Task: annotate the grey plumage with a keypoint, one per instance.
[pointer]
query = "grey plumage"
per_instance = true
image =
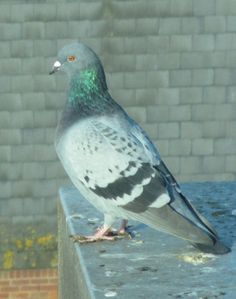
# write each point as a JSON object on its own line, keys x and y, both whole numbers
{"x": 113, "y": 163}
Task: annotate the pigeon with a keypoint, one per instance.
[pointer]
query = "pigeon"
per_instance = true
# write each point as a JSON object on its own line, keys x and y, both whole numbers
{"x": 113, "y": 163}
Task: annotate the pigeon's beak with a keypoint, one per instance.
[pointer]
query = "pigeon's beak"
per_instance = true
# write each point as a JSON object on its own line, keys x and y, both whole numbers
{"x": 56, "y": 67}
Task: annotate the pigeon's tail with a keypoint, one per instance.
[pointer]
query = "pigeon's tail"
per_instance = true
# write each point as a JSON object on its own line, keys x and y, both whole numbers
{"x": 179, "y": 218}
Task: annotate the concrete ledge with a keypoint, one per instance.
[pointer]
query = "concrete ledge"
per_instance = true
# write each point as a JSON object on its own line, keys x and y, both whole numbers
{"x": 151, "y": 265}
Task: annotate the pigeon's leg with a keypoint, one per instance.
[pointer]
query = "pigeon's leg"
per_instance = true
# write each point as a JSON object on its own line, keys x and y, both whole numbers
{"x": 122, "y": 229}
{"x": 101, "y": 234}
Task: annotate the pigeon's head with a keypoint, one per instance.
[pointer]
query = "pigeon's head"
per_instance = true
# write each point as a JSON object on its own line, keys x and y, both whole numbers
{"x": 76, "y": 57}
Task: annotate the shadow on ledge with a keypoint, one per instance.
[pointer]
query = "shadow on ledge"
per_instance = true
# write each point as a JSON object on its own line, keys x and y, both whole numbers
{"x": 151, "y": 265}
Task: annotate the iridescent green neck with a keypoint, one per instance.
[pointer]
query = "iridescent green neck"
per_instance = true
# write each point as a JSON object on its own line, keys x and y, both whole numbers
{"x": 83, "y": 86}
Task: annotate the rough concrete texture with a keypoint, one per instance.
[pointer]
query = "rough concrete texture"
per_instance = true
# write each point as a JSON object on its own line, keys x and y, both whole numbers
{"x": 151, "y": 264}
{"x": 171, "y": 63}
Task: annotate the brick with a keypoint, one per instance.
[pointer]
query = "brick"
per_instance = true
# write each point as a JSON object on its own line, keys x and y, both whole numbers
{"x": 61, "y": 83}
{"x": 125, "y": 62}
{"x": 68, "y": 11}
{"x": 59, "y": 29}
{"x": 10, "y": 136}
{"x": 54, "y": 170}
{"x": 230, "y": 129}
{"x": 179, "y": 147}
{"x": 114, "y": 45}
{"x": 170, "y": 26}
{"x": 227, "y": 7}
{"x": 191, "y": 95}
{"x": 145, "y": 97}
{"x": 224, "y": 146}
{"x": 5, "y": 119}
{"x": 138, "y": 113}
{"x": 202, "y": 112}
{"x": 33, "y": 136}
{"x": 214, "y": 129}
{"x": 136, "y": 45}
{"x": 191, "y": 130}
{"x": 49, "y": 135}
{"x": 33, "y": 171}
{"x": 180, "y": 113}
{"x": 146, "y": 62}
{"x": 191, "y": 165}
{"x": 11, "y": 171}
{"x": 54, "y": 100}
{"x": 157, "y": 79}
{"x": 33, "y": 101}
{"x": 125, "y": 97}
{"x": 22, "y": 153}
{"x": 35, "y": 65}
{"x": 10, "y": 66}
{"x": 135, "y": 80}
{"x": 158, "y": 8}
{"x": 230, "y": 162}
{"x": 203, "y": 42}
{"x": 226, "y": 41}
{"x": 44, "y": 119}
{"x": 44, "y": 12}
{"x": 157, "y": 113}
{"x": 167, "y": 61}
{"x": 214, "y": 24}
{"x": 5, "y": 83}
{"x": 203, "y": 77}
{"x": 156, "y": 44}
{"x": 45, "y": 48}
{"x": 5, "y": 49}
{"x": 181, "y": 8}
{"x": 45, "y": 188}
{"x": 100, "y": 28}
{"x": 22, "y": 12}
{"x": 202, "y": 146}
{"x": 33, "y": 30}
{"x": 5, "y": 189}
{"x": 22, "y": 48}
{"x": 10, "y": 31}
{"x": 181, "y": 42}
{"x": 192, "y": 25}
{"x": 224, "y": 77}
{"x": 44, "y": 82}
{"x": 124, "y": 27}
{"x": 23, "y": 83}
{"x": 116, "y": 80}
{"x": 180, "y": 78}
{"x": 76, "y": 29}
{"x": 162, "y": 146}
{"x": 167, "y": 96}
{"x": 168, "y": 130}
{"x": 230, "y": 59}
{"x": 214, "y": 164}
{"x": 147, "y": 26}
{"x": 214, "y": 95}
{"x": 22, "y": 119}
{"x": 204, "y": 8}
{"x": 231, "y": 94}
{"x": 127, "y": 9}
{"x": 44, "y": 152}
{"x": 90, "y": 11}
{"x": 173, "y": 163}
{"x": 12, "y": 101}
{"x": 151, "y": 130}
{"x": 5, "y": 153}
{"x": 5, "y": 13}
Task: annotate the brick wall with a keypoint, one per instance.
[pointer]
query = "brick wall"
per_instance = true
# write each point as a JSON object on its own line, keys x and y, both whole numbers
{"x": 171, "y": 63}
{"x": 28, "y": 284}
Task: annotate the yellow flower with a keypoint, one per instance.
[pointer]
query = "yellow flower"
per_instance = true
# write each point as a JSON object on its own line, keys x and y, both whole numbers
{"x": 8, "y": 259}
{"x": 28, "y": 243}
{"x": 19, "y": 244}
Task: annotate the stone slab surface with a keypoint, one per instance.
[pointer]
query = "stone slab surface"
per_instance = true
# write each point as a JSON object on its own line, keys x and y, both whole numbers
{"x": 152, "y": 264}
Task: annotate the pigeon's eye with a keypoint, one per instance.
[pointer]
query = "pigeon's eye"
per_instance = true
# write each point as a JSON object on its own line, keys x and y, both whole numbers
{"x": 71, "y": 58}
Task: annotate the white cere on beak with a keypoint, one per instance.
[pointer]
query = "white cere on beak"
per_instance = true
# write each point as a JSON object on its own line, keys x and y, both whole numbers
{"x": 56, "y": 67}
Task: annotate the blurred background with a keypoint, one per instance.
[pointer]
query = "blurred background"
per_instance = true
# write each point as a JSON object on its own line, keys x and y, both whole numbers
{"x": 170, "y": 63}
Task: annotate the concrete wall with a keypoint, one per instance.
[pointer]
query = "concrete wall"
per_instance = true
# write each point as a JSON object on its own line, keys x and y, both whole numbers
{"x": 171, "y": 63}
